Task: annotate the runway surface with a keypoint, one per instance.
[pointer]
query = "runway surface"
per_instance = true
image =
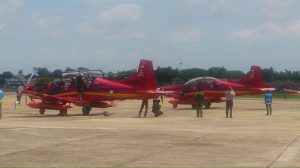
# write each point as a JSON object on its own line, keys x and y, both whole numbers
{"x": 178, "y": 138}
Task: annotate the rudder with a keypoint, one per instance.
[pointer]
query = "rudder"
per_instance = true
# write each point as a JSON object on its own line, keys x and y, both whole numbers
{"x": 254, "y": 78}
{"x": 145, "y": 78}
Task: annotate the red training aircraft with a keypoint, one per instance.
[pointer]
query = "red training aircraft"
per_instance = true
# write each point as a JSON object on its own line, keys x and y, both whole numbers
{"x": 214, "y": 89}
{"x": 97, "y": 94}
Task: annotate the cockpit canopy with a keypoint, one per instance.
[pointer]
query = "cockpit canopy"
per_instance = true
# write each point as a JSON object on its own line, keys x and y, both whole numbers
{"x": 201, "y": 80}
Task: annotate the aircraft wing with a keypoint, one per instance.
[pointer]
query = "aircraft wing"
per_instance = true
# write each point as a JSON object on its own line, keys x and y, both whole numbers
{"x": 165, "y": 92}
{"x": 292, "y": 91}
{"x": 47, "y": 97}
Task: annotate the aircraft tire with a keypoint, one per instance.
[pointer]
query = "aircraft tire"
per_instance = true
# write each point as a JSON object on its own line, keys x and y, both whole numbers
{"x": 174, "y": 105}
{"x": 106, "y": 113}
{"x": 63, "y": 112}
{"x": 42, "y": 111}
{"x": 86, "y": 109}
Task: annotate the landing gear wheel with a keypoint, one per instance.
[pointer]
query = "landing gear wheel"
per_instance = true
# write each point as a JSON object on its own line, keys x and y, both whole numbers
{"x": 207, "y": 105}
{"x": 42, "y": 111}
{"x": 63, "y": 112}
{"x": 174, "y": 105}
{"x": 106, "y": 113}
{"x": 86, "y": 109}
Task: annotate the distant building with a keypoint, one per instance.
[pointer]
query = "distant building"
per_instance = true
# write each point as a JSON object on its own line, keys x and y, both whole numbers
{"x": 21, "y": 78}
{"x": 11, "y": 83}
{"x": 14, "y": 82}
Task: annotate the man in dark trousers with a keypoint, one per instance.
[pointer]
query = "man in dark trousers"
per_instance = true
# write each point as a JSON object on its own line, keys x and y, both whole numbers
{"x": 229, "y": 101}
{"x": 199, "y": 100}
{"x": 145, "y": 104}
{"x": 156, "y": 108}
{"x": 80, "y": 85}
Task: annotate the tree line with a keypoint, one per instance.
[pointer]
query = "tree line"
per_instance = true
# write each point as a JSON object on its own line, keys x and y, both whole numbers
{"x": 169, "y": 75}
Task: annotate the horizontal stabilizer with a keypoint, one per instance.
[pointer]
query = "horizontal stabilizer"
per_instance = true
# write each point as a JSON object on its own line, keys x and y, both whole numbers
{"x": 292, "y": 91}
{"x": 267, "y": 89}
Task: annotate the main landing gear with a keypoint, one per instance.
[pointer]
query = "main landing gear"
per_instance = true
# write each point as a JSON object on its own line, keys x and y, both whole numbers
{"x": 63, "y": 112}
{"x": 207, "y": 104}
{"x": 42, "y": 111}
{"x": 86, "y": 109}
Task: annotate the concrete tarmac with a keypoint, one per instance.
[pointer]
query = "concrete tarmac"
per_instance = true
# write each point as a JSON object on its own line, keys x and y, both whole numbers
{"x": 178, "y": 138}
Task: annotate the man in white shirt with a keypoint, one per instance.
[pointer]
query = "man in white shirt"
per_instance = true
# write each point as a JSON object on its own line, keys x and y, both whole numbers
{"x": 19, "y": 91}
{"x": 229, "y": 101}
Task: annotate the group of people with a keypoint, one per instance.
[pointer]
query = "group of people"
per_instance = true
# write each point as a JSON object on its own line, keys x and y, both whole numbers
{"x": 155, "y": 108}
{"x": 229, "y": 95}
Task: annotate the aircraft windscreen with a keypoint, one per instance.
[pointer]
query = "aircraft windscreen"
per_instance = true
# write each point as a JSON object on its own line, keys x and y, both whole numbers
{"x": 201, "y": 80}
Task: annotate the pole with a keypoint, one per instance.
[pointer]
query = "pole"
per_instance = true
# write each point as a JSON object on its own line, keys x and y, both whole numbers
{"x": 180, "y": 63}
{"x": 0, "y": 109}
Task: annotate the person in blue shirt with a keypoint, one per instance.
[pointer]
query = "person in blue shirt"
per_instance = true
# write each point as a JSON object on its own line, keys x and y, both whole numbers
{"x": 268, "y": 102}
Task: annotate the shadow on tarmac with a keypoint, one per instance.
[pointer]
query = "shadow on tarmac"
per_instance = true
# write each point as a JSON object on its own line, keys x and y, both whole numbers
{"x": 57, "y": 115}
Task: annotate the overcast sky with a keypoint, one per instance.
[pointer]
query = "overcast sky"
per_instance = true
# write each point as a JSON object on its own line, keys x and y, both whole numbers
{"x": 115, "y": 34}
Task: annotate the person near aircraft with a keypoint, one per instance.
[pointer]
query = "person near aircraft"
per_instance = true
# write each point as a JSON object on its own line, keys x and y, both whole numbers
{"x": 229, "y": 101}
{"x": 19, "y": 93}
{"x": 144, "y": 104}
{"x": 199, "y": 101}
{"x": 80, "y": 85}
{"x": 268, "y": 102}
{"x": 156, "y": 107}
{"x": 61, "y": 82}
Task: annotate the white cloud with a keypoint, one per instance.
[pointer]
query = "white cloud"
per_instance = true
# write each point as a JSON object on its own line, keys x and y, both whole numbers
{"x": 184, "y": 36}
{"x": 121, "y": 16}
{"x": 294, "y": 29}
{"x": 220, "y": 8}
{"x": 39, "y": 21}
{"x": 47, "y": 52}
{"x": 276, "y": 9}
{"x": 194, "y": 2}
{"x": 246, "y": 34}
{"x": 86, "y": 29}
{"x": 10, "y": 5}
{"x": 105, "y": 53}
{"x": 119, "y": 22}
{"x": 271, "y": 30}
{"x": 107, "y": 59}
{"x": 2, "y": 27}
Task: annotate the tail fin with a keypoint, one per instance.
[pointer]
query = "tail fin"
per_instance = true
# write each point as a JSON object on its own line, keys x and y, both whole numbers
{"x": 145, "y": 78}
{"x": 254, "y": 78}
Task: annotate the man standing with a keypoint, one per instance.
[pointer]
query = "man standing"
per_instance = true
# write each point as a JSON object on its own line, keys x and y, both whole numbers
{"x": 199, "y": 100}
{"x": 268, "y": 102}
{"x": 229, "y": 101}
{"x": 144, "y": 104}
{"x": 19, "y": 92}
{"x": 156, "y": 107}
{"x": 80, "y": 85}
